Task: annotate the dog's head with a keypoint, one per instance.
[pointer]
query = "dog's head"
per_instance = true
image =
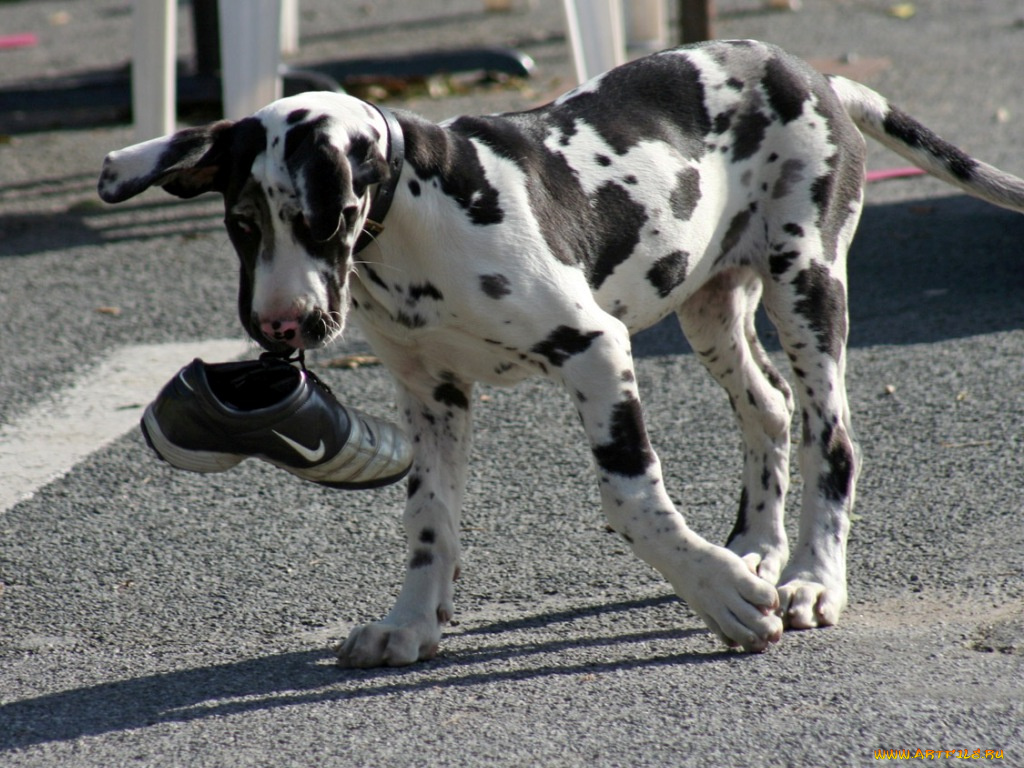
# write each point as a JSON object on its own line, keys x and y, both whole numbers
{"x": 298, "y": 178}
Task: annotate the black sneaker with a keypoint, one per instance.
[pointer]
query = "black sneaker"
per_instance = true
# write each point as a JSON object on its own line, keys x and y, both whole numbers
{"x": 210, "y": 417}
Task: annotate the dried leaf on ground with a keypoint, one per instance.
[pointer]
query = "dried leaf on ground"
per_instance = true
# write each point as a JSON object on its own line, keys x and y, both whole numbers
{"x": 351, "y": 361}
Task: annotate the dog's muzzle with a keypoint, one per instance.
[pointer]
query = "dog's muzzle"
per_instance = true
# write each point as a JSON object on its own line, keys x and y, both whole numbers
{"x": 309, "y": 331}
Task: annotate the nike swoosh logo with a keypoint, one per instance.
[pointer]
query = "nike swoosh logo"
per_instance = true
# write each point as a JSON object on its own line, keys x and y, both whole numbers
{"x": 308, "y": 454}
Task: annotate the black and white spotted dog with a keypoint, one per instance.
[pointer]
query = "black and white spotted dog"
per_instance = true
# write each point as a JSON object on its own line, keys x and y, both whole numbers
{"x": 698, "y": 181}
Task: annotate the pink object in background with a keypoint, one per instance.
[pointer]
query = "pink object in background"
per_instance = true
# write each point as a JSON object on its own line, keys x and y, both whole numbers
{"x": 892, "y": 173}
{"x": 23, "y": 40}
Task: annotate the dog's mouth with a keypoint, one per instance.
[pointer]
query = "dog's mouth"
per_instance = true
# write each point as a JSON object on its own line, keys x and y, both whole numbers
{"x": 286, "y": 332}
{"x": 314, "y": 330}
{"x": 282, "y": 322}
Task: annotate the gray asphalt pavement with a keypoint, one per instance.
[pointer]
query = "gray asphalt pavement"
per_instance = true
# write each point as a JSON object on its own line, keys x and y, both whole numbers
{"x": 156, "y": 618}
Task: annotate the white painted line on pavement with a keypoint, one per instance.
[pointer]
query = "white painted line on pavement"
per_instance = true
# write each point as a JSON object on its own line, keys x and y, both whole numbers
{"x": 108, "y": 401}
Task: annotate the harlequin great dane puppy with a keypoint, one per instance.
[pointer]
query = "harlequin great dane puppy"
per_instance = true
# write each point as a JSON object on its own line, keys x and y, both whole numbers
{"x": 697, "y": 181}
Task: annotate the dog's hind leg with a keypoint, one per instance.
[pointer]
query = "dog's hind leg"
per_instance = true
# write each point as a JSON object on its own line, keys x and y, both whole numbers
{"x": 719, "y": 323}
{"x": 721, "y": 588}
{"x": 805, "y": 297}
{"x": 439, "y": 417}
{"x": 808, "y": 308}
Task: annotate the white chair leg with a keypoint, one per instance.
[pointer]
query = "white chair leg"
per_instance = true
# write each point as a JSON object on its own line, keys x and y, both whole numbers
{"x": 596, "y": 34}
{"x": 646, "y": 25}
{"x": 289, "y": 27}
{"x": 250, "y": 55}
{"x": 154, "y": 60}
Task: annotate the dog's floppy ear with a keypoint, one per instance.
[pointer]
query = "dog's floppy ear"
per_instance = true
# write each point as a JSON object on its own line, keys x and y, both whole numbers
{"x": 186, "y": 164}
{"x": 327, "y": 181}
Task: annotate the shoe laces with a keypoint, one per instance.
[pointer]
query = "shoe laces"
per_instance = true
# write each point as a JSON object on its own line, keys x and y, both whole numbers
{"x": 298, "y": 358}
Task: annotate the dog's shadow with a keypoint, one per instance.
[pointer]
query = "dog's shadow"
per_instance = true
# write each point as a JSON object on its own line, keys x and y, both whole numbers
{"x": 305, "y": 677}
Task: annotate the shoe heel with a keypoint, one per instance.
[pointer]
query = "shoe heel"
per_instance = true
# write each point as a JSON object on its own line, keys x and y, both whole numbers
{"x": 183, "y": 458}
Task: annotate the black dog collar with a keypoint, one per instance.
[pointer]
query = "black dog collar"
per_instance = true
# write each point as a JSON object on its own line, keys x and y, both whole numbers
{"x": 385, "y": 192}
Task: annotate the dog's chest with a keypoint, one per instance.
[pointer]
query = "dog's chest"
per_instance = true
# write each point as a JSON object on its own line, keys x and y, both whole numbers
{"x": 417, "y": 333}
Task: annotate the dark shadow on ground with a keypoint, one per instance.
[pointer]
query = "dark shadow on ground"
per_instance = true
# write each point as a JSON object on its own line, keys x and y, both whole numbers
{"x": 87, "y": 221}
{"x": 920, "y": 271}
{"x": 304, "y": 677}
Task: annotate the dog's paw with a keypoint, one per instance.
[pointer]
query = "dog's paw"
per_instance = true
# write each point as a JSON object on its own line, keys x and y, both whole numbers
{"x": 384, "y": 644}
{"x": 764, "y": 558}
{"x": 736, "y": 604}
{"x": 808, "y": 599}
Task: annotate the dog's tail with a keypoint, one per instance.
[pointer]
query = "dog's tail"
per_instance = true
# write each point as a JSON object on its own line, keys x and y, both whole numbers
{"x": 904, "y": 135}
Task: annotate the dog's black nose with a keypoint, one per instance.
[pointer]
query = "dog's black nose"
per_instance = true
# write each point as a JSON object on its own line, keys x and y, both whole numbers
{"x": 281, "y": 329}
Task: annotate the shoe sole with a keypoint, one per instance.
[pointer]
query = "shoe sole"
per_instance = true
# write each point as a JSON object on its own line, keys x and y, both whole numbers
{"x": 391, "y": 439}
{"x": 184, "y": 458}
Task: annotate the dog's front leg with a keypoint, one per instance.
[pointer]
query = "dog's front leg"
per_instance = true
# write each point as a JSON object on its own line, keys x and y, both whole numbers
{"x": 736, "y": 604}
{"x": 439, "y": 421}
